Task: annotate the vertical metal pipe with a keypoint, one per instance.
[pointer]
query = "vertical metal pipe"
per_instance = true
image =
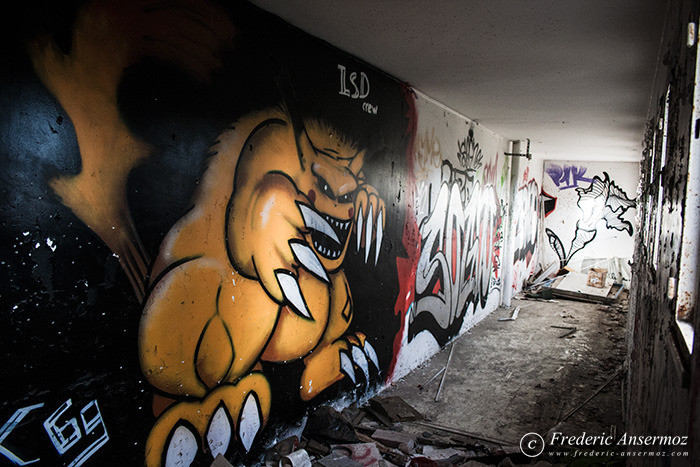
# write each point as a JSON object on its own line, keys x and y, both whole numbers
{"x": 509, "y": 242}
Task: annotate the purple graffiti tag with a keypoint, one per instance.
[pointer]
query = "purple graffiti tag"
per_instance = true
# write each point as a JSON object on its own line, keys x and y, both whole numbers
{"x": 568, "y": 176}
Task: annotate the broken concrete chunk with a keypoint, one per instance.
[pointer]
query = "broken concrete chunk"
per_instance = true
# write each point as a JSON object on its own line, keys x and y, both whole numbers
{"x": 327, "y": 424}
{"x": 353, "y": 414}
{"x": 335, "y": 459}
{"x": 390, "y": 454}
{"x": 379, "y": 416}
{"x": 395, "y": 409}
{"x": 221, "y": 461}
{"x": 366, "y": 454}
{"x": 395, "y": 439}
{"x": 441, "y": 454}
{"x": 419, "y": 461}
{"x": 316, "y": 448}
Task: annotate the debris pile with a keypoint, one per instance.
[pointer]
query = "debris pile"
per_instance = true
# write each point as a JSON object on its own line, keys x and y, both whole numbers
{"x": 388, "y": 432}
{"x": 593, "y": 287}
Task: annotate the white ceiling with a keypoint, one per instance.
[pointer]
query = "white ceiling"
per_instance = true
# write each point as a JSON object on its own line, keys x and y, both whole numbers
{"x": 573, "y": 76}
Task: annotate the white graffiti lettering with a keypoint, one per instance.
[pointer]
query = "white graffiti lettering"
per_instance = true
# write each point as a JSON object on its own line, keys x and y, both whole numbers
{"x": 65, "y": 432}
{"x": 458, "y": 262}
{"x": 360, "y": 90}
{"x": 10, "y": 425}
{"x": 525, "y": 214}
{"x": 369, "y": 108}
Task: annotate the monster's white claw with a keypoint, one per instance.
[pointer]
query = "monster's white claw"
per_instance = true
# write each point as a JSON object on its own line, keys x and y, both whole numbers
{"x": 309, "y": 260}
{"x": 380, "y": 234}
{"x": 359, "y": 228}
{"x": 219, "y": 433}
{"x": 369, "y": 351}
{"x": 251, "y": 421}
{"x": 292, "y": 293}
{"x": 361, "y": 361}
{"x": 368, "y": 233}
{"x": 315, "y": 222}
{"x": 346, "y": 366}
{"x": 182, "y": 448}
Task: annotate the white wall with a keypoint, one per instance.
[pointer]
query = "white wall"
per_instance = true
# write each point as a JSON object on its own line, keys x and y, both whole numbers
{"x": 590, "y": 217}
{"x": 470, "y": 256}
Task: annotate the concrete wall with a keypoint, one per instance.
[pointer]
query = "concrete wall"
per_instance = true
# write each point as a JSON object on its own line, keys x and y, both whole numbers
{"x": 525, "y": 242}
{"x": 590, "y": 214}
{"x": 213, "y": 222}
{"x": 453, "y": 233}
{"x": 663, "y": 378}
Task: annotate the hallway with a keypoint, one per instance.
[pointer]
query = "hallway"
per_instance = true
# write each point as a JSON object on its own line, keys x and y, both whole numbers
{"x": 221, "y": 217}
{"x": 508, "y": 378}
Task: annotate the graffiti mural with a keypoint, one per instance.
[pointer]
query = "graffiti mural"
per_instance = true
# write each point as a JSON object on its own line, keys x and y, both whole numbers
{"x": 276, "y": 244}
{"x": 428, "y": 153}
{"x": 526, "y": 209}
{"x": 75, "y": 439}
{"x": 549, "y": 203}
{"x": 194, "y": 231}
{"x": 214, "y": 223}
{"x": 567, "y": 176}
{"x": 458, "y": 263}
{"x": 602, "y": 200}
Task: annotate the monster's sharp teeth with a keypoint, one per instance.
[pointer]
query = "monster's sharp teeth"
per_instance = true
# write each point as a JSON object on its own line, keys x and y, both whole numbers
{"x": 292, "y": 293}
{"x": 380, "y": 234}
{"x": 369, "y": 351}
{"x": 183, "y": 447}
{"x": 314, "y": 221}
{"x": 251, "y": 421}
{"x": 219, "y": 432}
{"x": 309, "y": 260}
{"x": 346, "y": 366}
{"x": 361, "y": 361}
{"x": 368, "y": 233}
{"x": 359, "y": 228}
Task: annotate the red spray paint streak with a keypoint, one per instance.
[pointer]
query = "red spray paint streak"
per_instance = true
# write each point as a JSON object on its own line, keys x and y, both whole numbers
{"x": 406, "y": 267}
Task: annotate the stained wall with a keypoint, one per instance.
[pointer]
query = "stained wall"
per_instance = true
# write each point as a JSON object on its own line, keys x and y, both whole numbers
{"x": 214, "y": 222}
{"x": 662, "y": 383}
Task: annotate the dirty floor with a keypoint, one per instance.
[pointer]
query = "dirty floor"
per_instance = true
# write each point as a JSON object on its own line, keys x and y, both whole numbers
{"x": 509, "y": 378}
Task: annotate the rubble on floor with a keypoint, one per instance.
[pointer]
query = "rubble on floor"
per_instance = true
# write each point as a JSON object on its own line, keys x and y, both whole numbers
{"x": 592, "y": 287}
{"x": 387, "y": 432}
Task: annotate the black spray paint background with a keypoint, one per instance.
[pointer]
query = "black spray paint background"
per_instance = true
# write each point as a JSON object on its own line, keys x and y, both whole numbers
{"x": 69, "y": 318}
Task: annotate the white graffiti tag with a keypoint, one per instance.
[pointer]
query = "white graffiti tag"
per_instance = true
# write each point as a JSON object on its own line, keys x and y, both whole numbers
{"x": 84, "y": 432}
{"x": 459, "y": 254}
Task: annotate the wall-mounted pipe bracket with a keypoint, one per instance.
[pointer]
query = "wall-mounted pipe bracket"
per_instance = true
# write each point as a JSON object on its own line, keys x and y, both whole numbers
{"x": 516, "y": 154}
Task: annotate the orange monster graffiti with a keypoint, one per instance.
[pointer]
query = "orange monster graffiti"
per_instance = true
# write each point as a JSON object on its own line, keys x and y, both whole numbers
{"x": 255, "y": 273}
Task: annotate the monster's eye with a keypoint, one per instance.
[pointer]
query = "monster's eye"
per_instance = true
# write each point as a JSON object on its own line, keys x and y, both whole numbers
{"x": 346, "y": 198}
{"x": 325, "y": 187}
